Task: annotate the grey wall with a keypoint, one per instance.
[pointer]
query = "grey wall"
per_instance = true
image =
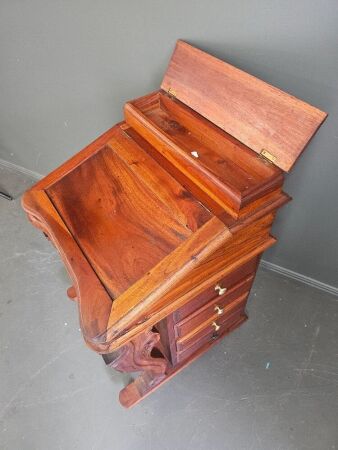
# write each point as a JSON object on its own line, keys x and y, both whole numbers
{"x": 67, "y": 67}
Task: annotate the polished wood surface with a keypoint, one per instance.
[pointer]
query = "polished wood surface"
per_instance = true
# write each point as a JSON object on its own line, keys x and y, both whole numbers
{"x": 94, "y": 303}
{"x": 213, "y": 310}
{"x": 256, "y": 113}
{"x": 229, "y": 282}
{"x": 228, "y": 171}
{"x": 109, "y": 203}
{"x": 162, "y": 220}
{"x": 212, "y": 324}
{"x": 86, "y": 196}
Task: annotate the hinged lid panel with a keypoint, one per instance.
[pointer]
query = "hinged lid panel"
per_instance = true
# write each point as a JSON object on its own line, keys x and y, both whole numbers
{"x": 259, "y": 115}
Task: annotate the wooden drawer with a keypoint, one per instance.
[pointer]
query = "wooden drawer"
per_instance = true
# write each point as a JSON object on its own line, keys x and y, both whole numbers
{"x": 214, "y": 309}
{"x": 187, "y": 347}
{"x": 212, "y": 292}
{"x": 208, "y": 326}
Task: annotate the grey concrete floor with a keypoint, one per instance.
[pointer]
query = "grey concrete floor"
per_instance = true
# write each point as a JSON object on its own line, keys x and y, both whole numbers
{"x": 270, "y": 385}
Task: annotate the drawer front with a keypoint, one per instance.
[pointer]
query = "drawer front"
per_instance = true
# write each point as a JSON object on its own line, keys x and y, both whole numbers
{"x": 214, "y": 309}
{"x": 212, "y": 327}
{"x": 209, "y": 335}
{"x": 216, "y": 290}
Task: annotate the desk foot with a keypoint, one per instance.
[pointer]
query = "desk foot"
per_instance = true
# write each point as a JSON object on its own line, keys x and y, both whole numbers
{"x": 139, "y": 355}
{"x": 72, "y": 293}
{"x": 147, "y": 383}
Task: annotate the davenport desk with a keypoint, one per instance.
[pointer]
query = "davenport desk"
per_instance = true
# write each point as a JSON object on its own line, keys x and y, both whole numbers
{"x": 162, "y": 220}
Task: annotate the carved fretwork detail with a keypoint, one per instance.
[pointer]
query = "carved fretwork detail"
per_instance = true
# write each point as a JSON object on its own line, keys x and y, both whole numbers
{"x": 136, "y": 356}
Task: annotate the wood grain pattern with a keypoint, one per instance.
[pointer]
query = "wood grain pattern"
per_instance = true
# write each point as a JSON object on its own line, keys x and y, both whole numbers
{"x": 249, "y": 244}
{"x": 158, "y": 303}
{"x": 160, "y": 208}
{"x": 209, "y": 313}
{"x": 133, "y": 305}
{"x": 84, "y": 191}
{"x": 109, "y": 207}
{"x": 218, "y": 166}
{"x": 245, "y": 244}
{"x": 182, "y": 204}
{"x": 185, "y": 181}
{"x": 256, "y": 208}
{"x": 205, "y": 326}
{"x": 229, "y": 282}
{"x": 93, "y": 301}
{"x": 208, "y": 334}
{"x": 256, "y": 113}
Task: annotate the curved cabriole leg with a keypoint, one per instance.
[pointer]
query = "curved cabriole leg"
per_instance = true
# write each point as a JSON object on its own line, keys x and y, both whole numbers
{"x": 136, "y": 356}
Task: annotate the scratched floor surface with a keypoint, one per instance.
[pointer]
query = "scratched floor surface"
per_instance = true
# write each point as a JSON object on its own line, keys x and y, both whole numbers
{"x": 270, "y": 385}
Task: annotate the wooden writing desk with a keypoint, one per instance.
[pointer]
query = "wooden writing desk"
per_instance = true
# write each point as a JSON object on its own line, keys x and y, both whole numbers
{"x": 162, "y": 220}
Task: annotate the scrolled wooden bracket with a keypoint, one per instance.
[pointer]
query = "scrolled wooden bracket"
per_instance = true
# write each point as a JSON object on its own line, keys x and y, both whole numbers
{"x": 136, "y": 356}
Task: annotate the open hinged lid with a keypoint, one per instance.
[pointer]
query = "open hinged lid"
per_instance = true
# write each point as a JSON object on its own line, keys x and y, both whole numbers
{"x": 264, "y": 118}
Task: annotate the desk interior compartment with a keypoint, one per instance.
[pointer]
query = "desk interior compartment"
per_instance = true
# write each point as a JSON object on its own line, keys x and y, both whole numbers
{"x": 226, "y": 170}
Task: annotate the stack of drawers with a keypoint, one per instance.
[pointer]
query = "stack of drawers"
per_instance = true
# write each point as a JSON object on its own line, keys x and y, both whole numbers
{"x": 211, "y": 314}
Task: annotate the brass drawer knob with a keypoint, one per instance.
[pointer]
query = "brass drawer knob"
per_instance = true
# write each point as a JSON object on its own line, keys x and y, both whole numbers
{"x": 219, "y": 310}
{"x": 216, "y": 326}
{"x": 220, "y": 289}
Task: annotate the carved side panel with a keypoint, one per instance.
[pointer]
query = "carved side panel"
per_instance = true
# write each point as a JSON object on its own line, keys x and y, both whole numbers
{"x": 136, "y": 356}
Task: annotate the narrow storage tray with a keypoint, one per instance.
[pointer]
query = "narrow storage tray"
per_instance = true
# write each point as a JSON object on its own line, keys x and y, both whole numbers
{"x": 231, "y": 173}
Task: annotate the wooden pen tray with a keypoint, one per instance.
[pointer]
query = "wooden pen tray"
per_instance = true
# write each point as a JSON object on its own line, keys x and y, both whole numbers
{"x": 231, "y": 173}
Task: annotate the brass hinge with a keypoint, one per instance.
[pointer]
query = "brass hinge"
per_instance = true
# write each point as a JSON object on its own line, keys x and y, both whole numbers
{"x": 268, "y": 156}
{"x": 171, "y": 92}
